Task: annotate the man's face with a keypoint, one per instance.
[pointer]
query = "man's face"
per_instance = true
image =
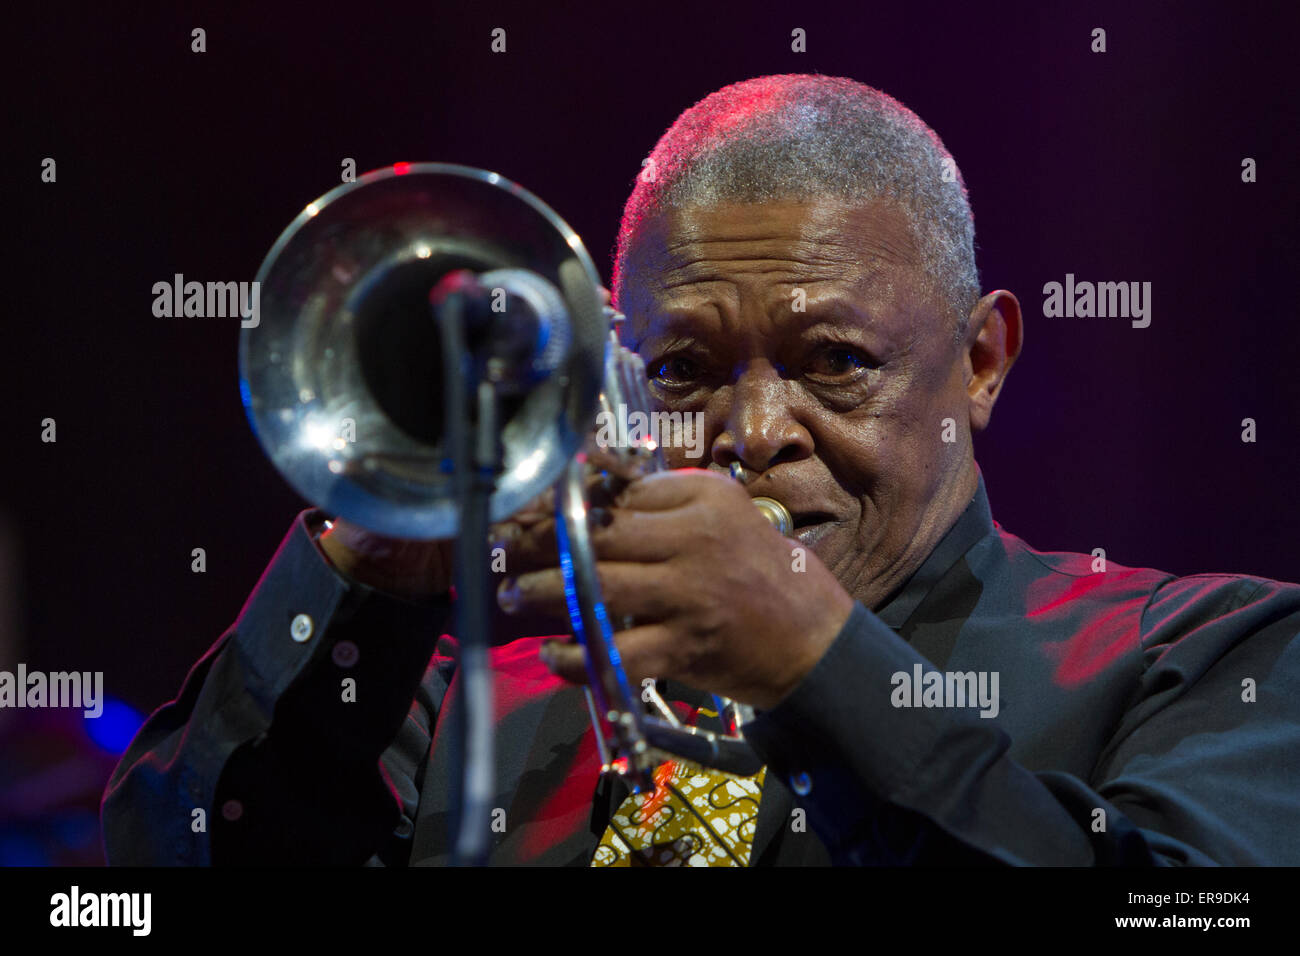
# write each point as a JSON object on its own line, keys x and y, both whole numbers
{"x": 837, "y": 410}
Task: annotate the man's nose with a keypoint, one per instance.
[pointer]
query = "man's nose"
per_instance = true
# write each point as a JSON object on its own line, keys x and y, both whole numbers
{"x": 761, "y": 429}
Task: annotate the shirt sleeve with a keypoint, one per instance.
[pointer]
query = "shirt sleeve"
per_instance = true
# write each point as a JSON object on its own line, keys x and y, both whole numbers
{"x": 1203, "y": 768}
{"x": 1207, "y": 762}
{"x": 297, "y": 738}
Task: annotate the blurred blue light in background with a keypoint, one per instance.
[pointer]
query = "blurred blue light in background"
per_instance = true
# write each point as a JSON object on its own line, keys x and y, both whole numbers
{"x": 113, "y": 729}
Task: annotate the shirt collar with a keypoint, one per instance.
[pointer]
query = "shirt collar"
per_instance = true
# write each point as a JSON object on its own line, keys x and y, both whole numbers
{"x": 974, "y": 524}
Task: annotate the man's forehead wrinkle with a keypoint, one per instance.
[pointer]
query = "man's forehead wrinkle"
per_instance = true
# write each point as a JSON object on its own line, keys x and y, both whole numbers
{"x": 808, "y": 237}
{"x": 719, "y": 318}
{"x": 713, "y": 273}
{"x": 705, "y": 263}
{"x": 817, "y": 252}
{"x": 675, "y": 326}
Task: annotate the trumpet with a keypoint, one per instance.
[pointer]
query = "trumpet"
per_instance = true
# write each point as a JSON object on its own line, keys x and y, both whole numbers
{"x": 431, "y": 353}
{"x": 630, "y": 741}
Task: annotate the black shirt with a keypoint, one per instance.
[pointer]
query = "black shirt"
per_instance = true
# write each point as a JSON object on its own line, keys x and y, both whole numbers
{"x": 1004, "y": 706}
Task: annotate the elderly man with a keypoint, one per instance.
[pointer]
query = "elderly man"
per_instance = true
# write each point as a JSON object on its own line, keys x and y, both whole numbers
{"x": 797, "y": 267}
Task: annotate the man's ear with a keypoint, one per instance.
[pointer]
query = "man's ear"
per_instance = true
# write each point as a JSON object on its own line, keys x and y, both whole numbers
{"x": 994, "y": 336}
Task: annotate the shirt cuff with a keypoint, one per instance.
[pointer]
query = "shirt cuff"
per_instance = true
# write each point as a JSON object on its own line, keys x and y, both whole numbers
{"x": 838, "y": 740}
{"x": 306, "y": 614}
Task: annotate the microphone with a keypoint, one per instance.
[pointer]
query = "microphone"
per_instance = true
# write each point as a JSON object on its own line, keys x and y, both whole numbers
{"x": 517, "y": 328}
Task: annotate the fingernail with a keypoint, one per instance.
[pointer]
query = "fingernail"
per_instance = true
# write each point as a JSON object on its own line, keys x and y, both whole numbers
{"x": 508, "y": 595}
{"x": 547, "y": 653}
{"x": 504, "y": 535}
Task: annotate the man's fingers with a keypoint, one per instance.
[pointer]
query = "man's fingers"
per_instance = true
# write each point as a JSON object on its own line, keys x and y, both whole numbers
{"x": 663, "y": 490}
{"x": 566, "y": 661}
{"x": 618, "y": 467}
{"x": 600, "y": 490}
{"x": 615, "y": 534}
{"x": 528, "y": 547}
{"x": 628, "y": 589}
{"x": 644, "y": 651}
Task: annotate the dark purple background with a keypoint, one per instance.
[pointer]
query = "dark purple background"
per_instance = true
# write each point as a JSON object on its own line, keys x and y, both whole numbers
{"x": 1115, "y": 166}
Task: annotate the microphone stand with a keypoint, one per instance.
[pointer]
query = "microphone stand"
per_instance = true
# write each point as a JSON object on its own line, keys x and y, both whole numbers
{"x": 476, "y": 465}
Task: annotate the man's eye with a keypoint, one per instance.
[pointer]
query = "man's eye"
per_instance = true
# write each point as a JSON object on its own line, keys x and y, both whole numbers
{"x": 839, "y": 364}
{"x": 674, "y": 370}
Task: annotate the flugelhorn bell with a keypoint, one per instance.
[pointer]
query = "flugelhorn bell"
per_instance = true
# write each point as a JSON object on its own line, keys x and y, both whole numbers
{"x": 374, "y": 321}
{"x": 340, "y": 376}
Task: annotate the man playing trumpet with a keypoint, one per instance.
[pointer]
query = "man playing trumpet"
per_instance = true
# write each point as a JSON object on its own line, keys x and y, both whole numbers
{"x": 799, "y": 272}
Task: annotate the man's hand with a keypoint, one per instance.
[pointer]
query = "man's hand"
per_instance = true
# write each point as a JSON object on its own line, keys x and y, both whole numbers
{"x": 712, "y": 588}
{"x": 415, "y": 570}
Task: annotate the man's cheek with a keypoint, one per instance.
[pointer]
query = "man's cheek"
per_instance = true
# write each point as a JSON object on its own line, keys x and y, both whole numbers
{"x": 690, "y": 438}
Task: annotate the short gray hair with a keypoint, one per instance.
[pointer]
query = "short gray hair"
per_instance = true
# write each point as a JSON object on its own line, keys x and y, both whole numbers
{"x": 801, "y": 136}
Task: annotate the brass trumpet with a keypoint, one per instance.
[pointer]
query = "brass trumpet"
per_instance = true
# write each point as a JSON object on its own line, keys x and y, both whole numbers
{"x": 431, "y": 352}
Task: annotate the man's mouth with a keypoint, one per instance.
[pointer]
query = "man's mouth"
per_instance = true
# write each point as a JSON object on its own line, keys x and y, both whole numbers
{"x": 811, "y": 526}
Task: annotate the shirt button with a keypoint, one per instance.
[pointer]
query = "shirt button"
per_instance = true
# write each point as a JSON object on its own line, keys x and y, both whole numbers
{"x": 345, "y": 653}
{"x": 801, "y": 783}
{"x": 232, "y": 810}
{"x": 301, "y": 628}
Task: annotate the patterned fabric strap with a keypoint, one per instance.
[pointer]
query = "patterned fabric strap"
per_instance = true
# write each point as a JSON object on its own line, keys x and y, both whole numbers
{"x": 694, "y": 817}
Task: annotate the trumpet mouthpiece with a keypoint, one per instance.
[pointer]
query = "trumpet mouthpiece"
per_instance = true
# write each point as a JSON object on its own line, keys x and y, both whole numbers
{"x": 776, "y": 514}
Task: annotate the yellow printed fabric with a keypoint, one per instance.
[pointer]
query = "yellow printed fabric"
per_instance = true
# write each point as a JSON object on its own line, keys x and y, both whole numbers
{"x": 694, "y": 817}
